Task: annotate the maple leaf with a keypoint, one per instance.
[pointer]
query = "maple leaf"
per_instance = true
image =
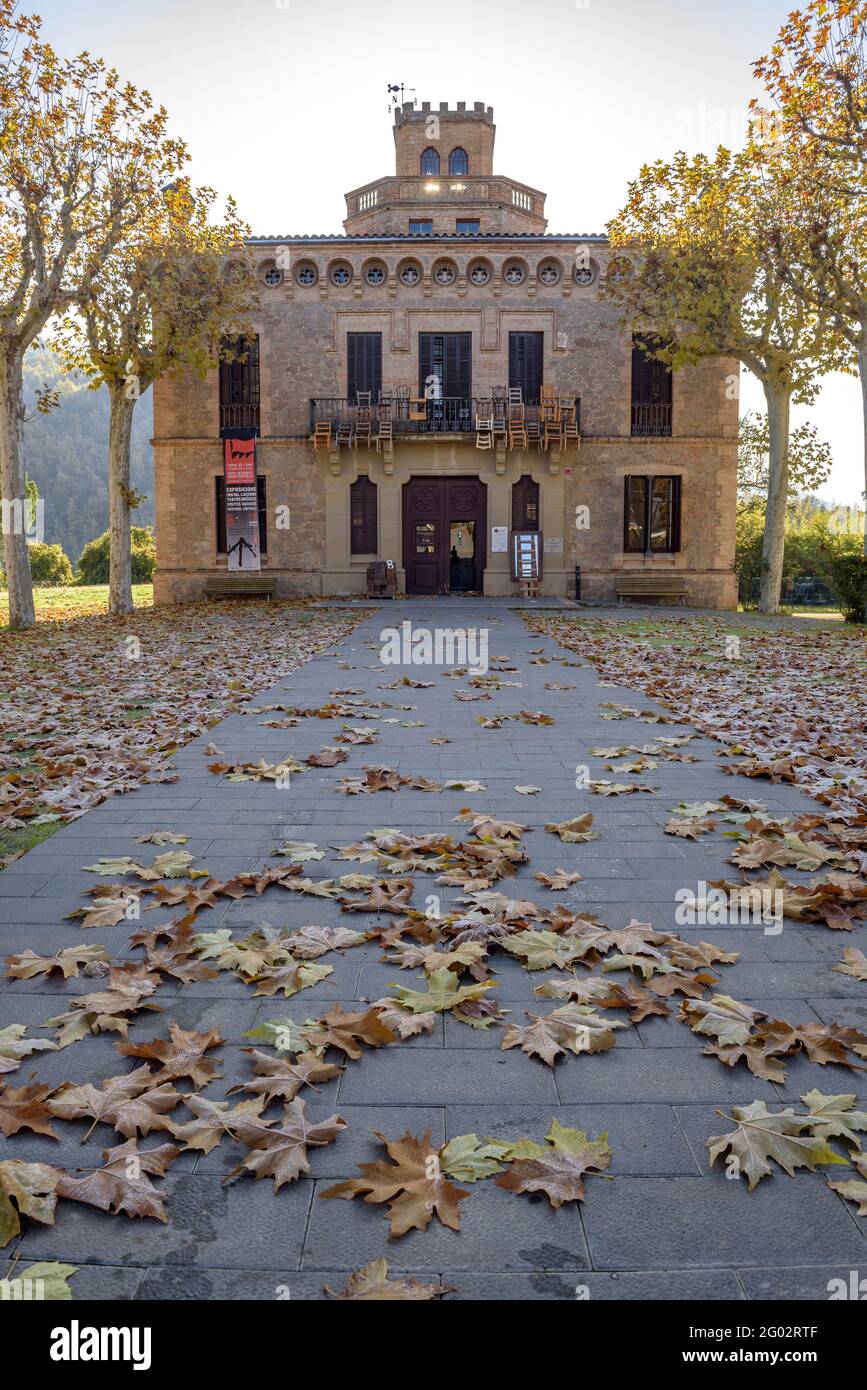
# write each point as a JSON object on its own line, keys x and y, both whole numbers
{"x": 32, "y": 1187}
{"x": 14, "y": 1047}
{"x": 280, "y": 1147}
{"x": 337, "y": 1029}
{"x": 383, "y": 897}
{"x": 50, "y": 1278}
{"x": 442, "y": 993}
{"x": 689, "y": 829}
{"x": 372, "y": 1283}
{"x": 25, "y": 1108}
{"x": 558, "y": 1170}
{"x": 402, "y": 1021}
{"x": 835, "y": 1117}
{"x": 310, "y": 942}
{"x": 281, "y": 1080}
{"x": 299, "y": 851}
{"x": 104, "y": 1010}
{"x": 161, "y": 837}
{"x": 213, "y": 1120}
{"x": 559, "y": 880}
{"x": 720, "y": 1017}
{"x": 575, "y": 831}
{"x": 574, "y": 1027}
{"x": 132, "y": 1104}
{"x": 106, "y": 911}
{"x": 542, "y": 949}
{"x": 68, "y": 962}
{"x": 854, "y": 963}
{"x": 467, "y": 1159}
{"x": 122, "y": 1182}
{"x": 291, "y": 977}
{"x": 411, "y": 1183}
{"x": 761, "y": 1136}
{"x": 182, "y": 1056}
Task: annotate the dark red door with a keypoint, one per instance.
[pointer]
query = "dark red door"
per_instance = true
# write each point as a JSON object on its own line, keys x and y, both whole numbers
{"x": 433, "y": 509}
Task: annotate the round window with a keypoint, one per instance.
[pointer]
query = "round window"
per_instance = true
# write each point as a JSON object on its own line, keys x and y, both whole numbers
{"x": 444, "y": 274}
{"x": 585, "y": 272}
{"x": 273, "y": 276}
{"x": 410, "y": 275}
{"x": 513, "y": 274}
{"x": 549, "y": 274}
{"x": 341, "y": 275}
{"x": 480, "y": 275}
{"x": 374, "y": 275}
{"x": 306, "y": 275}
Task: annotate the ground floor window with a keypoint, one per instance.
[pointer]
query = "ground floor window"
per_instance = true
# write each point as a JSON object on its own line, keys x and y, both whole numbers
{"x": 525, "y": 505}
{"x": 651, "y": 515}
{"x": 362, "y": 511}
{"x": 221, "y": 515}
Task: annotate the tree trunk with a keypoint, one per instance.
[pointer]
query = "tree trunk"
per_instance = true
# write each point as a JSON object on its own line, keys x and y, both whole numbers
{"x": 13, "y": 494}
{"x": 862, "y": 370}
{"x": 120, "y": 547}
{"x": 779, "y": 401}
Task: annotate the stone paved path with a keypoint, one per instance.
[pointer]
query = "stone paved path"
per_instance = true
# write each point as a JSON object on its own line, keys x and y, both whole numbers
{"x": 666, "y": 1228}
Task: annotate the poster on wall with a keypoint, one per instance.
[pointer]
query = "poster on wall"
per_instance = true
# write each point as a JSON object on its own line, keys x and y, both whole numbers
{"x": 242, "y": 505}
{"x": 526, "y": 554}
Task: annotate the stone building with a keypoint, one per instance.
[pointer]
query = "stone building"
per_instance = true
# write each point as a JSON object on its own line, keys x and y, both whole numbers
{"x": 442, "y": 374}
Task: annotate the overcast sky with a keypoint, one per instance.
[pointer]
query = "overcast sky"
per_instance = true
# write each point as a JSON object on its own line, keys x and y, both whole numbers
{"x": 283, "y": 103}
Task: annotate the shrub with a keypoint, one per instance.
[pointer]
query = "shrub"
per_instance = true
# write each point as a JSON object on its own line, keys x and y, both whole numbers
{"x": 93, "y": 563}
{"x": 849, "y": 574}
{"x": 49, "y": 564}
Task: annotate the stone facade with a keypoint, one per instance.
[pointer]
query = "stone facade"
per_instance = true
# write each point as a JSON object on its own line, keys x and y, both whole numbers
{"x": 510, "y": 277}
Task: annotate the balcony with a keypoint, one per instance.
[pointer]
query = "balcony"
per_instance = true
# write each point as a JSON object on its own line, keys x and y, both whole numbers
{"x": 239, "y": 417}
{"x": 449, "y": 415}
{"x": 651, "y": 418}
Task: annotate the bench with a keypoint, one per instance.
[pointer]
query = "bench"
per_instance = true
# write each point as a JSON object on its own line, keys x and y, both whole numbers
{"x": 650, "y": 586}
{"x": 240, "y": 586}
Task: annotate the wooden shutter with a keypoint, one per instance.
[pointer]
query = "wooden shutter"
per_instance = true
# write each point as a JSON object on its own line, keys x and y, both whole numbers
{"x": 364, "y": 364}
{"x": 362, "y": 512}
{"x": 457, "y": 366}
{"x": 220, "y": 500}
{"x": 651, "y": 380}
{"x": 526, "y": 363}
{"x": 635, "y": 514}
{"x": 262, "y": 502}
{"x": 425, "y": 359}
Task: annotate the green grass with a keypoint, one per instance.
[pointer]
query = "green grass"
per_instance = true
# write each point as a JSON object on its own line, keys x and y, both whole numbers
{"x": 55, "y": 602}
{"x": 18, "y": 841}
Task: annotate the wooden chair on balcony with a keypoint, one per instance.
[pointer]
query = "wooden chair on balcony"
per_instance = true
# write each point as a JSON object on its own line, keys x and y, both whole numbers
{"x": 345, "y": 435}
{"x": 516, "y": 403}
{"x": 534, "y": 433}
{"x": 321, "y": 436}
{"x": 518, "y": 434}
{"x": 566, "y": 408}
{"x": 417, "y": 408}
{"x": 553, "y": 434}
{"x": 570, "y": 433}
{"x": 364, "y": 399}
{"x": 484, "y": 424}
{"x": 384, "y": 438}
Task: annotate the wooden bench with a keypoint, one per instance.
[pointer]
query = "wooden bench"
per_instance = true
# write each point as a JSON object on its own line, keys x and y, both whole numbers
{"x": 650, "y": 586}
{"x": 240, "y": 586}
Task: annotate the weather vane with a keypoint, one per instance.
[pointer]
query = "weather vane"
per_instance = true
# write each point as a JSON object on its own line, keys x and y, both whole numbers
{"x": 393, "y": 89}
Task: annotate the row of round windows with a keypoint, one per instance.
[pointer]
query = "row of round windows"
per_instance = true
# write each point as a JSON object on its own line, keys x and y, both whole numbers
{"x": 515, "y": 272}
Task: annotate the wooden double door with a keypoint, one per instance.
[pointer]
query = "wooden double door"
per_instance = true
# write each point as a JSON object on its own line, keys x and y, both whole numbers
{"x": 444, "y": 526}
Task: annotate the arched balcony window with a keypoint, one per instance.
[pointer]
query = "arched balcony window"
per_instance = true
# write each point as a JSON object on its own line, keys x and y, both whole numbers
{"x": 430, "y": 161}
{"x": 459, "y": 162}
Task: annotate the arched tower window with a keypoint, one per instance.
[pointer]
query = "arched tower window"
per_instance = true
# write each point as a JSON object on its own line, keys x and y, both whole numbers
{"x": 459, "y": 162}
{"x": 430, "y": 161}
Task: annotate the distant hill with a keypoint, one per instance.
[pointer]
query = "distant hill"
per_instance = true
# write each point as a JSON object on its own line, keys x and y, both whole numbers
{"x": 66, "y": 453}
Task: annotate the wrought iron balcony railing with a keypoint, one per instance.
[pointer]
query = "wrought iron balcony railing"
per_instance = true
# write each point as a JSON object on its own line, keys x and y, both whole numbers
{"x": 654, "y": 418}
{"x": 239, "y": 417}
